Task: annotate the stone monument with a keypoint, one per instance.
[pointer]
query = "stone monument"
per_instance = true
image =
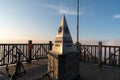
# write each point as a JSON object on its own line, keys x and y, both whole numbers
{"x": 63, "y": 60}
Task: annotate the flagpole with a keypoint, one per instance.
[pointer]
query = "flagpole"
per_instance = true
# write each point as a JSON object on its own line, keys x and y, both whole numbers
{"x": 77, "y": 21}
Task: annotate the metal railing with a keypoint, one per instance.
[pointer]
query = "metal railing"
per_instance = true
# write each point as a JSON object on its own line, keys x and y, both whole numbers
{"x": 101, "y": 54}
{"x": 8, "y": 52}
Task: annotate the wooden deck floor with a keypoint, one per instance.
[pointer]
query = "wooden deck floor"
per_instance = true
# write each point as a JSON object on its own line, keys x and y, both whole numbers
{"x": 87, "y": 71}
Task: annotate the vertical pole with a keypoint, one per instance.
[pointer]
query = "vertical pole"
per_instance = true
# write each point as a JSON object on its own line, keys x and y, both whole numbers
{"x": 77, "y": 21}
{"x": 80, "y": 53}
{"x": 78, "y": 49}
{"x": 119, "y": 58}
{"x": 4, "y": 61}
{"x": 105, "y": 55}
{"x": 110, "y": 56}
{"x": 100, "y": 54}
{"x": 29, "y": 51}
{"x": 114, "y": 59}
{"x": 8, "y": 54}
{"x": 18, "y": 67}
{"x": 50, "y": 45}
{"x": 78, "y": 45}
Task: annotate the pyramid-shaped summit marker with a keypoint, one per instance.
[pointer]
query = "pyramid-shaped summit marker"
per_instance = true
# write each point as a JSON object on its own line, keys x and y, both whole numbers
{"x": 63, "y": 42}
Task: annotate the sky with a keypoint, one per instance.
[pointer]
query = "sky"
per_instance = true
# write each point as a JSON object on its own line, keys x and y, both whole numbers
{"x": 38, "y": 20}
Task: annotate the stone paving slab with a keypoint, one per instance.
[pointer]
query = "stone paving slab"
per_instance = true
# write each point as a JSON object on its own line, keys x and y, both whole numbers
{"x": 34, "y": 70}
{"x": 88, "y": 71}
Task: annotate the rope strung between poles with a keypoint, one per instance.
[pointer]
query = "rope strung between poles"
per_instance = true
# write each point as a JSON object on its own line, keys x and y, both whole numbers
{"x": 19, "y": 68}
{"x": 17, "y": 73}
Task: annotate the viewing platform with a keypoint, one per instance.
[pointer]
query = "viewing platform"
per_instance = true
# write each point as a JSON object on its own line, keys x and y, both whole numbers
{"x": 97, "y": 62}
{"x": 88, "y": 71}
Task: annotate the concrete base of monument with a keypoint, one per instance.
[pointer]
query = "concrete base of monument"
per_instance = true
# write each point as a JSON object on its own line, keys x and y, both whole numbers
{"x": 66, "y": 67}
{"x": 72, "y": 66}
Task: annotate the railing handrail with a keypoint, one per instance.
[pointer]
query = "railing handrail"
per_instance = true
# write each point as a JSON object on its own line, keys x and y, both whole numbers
{"x": 23, "y": 44}
{"x": 102, "y": 45}
{"x": 89, "y": 45}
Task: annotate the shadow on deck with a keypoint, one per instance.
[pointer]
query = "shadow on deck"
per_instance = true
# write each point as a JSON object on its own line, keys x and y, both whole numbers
{"x": 88, "y": 71}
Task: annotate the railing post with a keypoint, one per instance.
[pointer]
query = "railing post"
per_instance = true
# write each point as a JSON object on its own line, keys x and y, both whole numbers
{"x": 30, "y": 46}
{"x": 78, "y": 48}
{"x": 119, "y": 58}
{"x": 100, "y": 54}
{"x": 50, "y": 45}
{"x": 80, "y": 51}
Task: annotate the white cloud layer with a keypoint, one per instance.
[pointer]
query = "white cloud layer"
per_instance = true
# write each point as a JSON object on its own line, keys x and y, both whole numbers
{"x": 114, "y": 42}
{"x": 117, "y": 16}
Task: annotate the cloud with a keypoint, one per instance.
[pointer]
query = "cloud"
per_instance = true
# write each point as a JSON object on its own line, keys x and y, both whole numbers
{"x": 113, "y": 42}
{"x": 117, "y": 16}
{"x": 89, "y": 41}
{"x": 63, "y": 9}
{"x": 69, "y": 12}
